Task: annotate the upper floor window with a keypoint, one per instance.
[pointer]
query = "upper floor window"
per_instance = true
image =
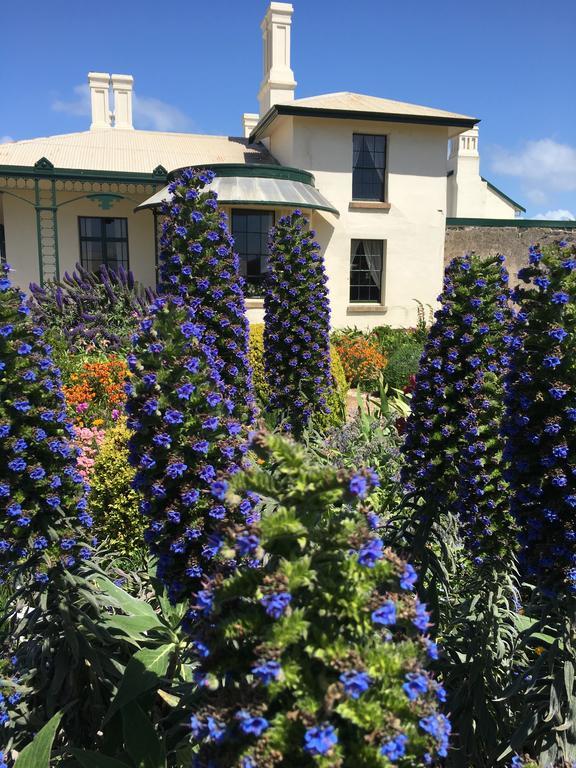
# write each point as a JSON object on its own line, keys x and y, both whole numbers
{"x": 103, "y": 241}
{"x": 366, "y": 271}
{"x": 250, "y": 231}
{"x": 369, "y": 167}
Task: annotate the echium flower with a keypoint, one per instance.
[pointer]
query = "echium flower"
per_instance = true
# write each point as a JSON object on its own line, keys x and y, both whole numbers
{"x": 186, "y": 442}
{"x": 43, "y": 510}
{"x": 540, "y": 424}
{"x": 198, "y": 265}
{"x": 297, "y": 324}
{"x": 319, "y": 622}
{"x": 452, "y": 447}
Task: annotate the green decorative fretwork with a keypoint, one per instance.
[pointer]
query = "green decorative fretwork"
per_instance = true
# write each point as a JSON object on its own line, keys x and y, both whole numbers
{"x": 105, "y": 201}
{"x": 47, "y": 229}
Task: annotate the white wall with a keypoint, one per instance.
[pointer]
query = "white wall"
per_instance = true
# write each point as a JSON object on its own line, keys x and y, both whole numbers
{"x": 413, "y": 227}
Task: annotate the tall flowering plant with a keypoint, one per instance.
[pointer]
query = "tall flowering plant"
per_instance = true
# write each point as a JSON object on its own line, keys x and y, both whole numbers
{"x": 540, "y": 429}
{"x": 452, "y": 446}
{"x": 44, "y": 528}
{"x": 317, "y": 658}
{"x": 190, "y": 395}
{"x": 198, "y": 266}
{"x": 453, "y": 467}
{"x": 297, "y": 324}
{"x": 43, "y": 518}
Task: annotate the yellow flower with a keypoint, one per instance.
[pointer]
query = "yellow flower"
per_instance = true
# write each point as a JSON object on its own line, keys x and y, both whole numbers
{"x": 539, "y": 650}
{"x": 98, "y": 422}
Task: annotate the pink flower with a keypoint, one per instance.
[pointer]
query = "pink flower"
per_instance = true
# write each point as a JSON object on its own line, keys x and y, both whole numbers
{"x": 115, "y": 414}
{"x": 82, "y": 407}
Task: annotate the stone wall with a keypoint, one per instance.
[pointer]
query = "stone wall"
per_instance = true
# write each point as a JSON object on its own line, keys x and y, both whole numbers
{"x": 512, "y": 241}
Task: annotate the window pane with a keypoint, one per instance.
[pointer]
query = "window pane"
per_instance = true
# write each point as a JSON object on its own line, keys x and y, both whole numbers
{"x": 103, "y": 240}
{"x": 366, "y": 269}
{"x": 250, "y": 231}
{"x": 369, "y": 165}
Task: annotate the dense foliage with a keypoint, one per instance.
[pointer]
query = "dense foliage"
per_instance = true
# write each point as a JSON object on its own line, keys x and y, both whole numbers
{"x": 90, "y": 311}
{"x": 402, "y": 364}
{"x": 113, "y": 502}
{"x": 318, "y": 657}
{"x": 297, "y": 324}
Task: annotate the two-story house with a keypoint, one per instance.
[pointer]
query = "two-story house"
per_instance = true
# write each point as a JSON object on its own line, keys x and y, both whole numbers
{"x": 375, "y": 175}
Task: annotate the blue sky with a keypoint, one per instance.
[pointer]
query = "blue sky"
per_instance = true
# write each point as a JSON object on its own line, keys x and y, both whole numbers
{"x": 197, "y": 67}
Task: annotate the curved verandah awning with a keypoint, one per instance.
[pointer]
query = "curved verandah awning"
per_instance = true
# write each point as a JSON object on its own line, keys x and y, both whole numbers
{"x": 250, "y": 185}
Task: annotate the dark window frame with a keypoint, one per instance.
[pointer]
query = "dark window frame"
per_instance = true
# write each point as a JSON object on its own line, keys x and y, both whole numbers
{"x": 104, "y": 240}
{"x": 254, "y": 287}
{"x": 362, "y": 170}
{"x": 362, "y": 288}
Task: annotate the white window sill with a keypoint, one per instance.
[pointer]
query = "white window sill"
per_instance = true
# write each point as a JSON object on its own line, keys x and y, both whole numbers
{"x": 368, "y": 205}
{"x": 254, "y": 303}
{"x": 366, "y": 309}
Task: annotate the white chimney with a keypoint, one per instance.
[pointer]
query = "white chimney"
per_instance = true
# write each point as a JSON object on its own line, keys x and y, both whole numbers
{"x": 122, "y": 86}
{"x": 99, "y": 83}
{"x": 278, "y": 84}
{"x": 249, "y": 122}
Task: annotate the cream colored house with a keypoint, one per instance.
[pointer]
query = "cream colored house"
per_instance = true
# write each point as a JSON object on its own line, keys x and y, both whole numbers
{"x": 375, "y": 176}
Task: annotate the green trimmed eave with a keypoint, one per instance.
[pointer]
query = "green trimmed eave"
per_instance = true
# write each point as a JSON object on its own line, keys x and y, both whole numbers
{"x": 79, "y": 174}
{"x": 520, "y": 223}
{"x": 254, "y": 171}
{"x": 280, "y": 110}
{"x": 504, "y": 196}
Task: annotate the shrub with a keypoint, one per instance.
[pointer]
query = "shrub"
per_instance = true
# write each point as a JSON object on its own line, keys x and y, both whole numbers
{"x": 113, "y": 502}
{"x": 362, "y": 362}
{"x": 317, "y": 657}
{"x": 296, "y": 324}
{"x": 90, "y": 312}
{"x": 402, "y": 364}
{"x": 337, "y": 396}
{"x": 387, "y": 339}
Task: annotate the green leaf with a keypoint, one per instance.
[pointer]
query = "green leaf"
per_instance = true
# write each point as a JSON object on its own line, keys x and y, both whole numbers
{"x": 130, "y": 605}
{"x": 96, "y": 760}
{"x": 134, "y": 625}
{"x": 144, "y": 671}
{"x": 141, "y": 740}
{"x": 37, "y": 753}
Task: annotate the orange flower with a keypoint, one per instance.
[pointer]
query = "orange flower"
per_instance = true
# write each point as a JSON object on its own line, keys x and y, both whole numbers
{"x": 361, "y": 360}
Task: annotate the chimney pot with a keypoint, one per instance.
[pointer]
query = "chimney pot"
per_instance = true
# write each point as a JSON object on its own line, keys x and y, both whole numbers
{"x": 278, "y": 84}
{"x": 99, "y": 83}
{"x": 122, "y": 86}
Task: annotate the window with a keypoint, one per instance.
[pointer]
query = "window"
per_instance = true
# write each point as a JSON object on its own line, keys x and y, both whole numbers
{"x": 366, "y": 268}
{"x": 250, "y": 231}
{"x": 103, "y": 241}
{"x": 369, "y": 167}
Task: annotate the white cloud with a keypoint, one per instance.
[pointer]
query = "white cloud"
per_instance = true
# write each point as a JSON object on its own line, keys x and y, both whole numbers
{"x": 148, "y": 112}
{"x": 6, "y": 139}
{"x": 158, "y": 115}
{"x": 79, "y": 106}
{"x": 560, "y": 214}
{"x": 544, "y": 162}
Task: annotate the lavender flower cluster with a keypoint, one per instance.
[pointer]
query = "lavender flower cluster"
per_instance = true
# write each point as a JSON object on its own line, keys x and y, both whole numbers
{"x": 540, "y": 423}
{"x": 452, "y": 447}
{"x": 323, "y": 657}
{"x": 297, "y": 324}
{"x": 91, "y": 310}
{"x": 198, "y": 265}
{"x": 189, "y": 397}
{"x": 43, "y": 508}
